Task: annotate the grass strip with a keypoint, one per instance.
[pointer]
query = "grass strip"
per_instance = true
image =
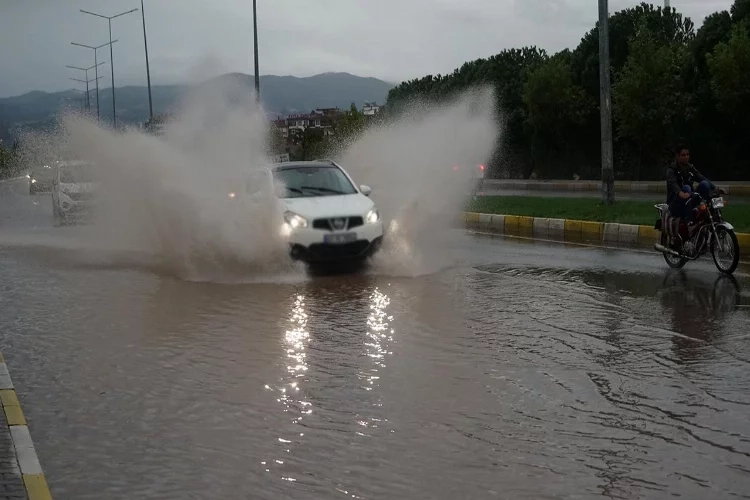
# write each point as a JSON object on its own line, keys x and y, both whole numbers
{"x": 591, "y": 209}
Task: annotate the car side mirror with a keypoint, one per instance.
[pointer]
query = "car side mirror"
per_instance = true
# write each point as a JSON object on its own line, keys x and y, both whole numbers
{"x": 365, "y": 190}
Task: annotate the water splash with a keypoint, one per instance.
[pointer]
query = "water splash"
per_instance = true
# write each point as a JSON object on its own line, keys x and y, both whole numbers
{"x": 165, "y": 202}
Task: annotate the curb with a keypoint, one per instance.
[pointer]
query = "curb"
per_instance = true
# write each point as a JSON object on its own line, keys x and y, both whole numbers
{"x": 742, "y": 190}
{"x": 607, "y": 233}
{"x": 28, "y": 462}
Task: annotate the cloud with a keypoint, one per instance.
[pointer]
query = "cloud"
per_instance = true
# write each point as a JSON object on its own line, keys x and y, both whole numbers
{"x": 389, "y": 39}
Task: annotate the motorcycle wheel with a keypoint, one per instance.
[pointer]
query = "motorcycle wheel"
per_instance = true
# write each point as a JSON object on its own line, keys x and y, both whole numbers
{"x": 732, "y": 247}
{"x": 672, "y": 261}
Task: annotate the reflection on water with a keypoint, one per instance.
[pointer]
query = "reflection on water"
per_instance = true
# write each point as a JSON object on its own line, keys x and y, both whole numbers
{"x": 379, "y": 336}
{"x": 296, "y": 338}
{"x": 378, "y": 332}
{"x": 697, "y": 311}
{"x": 525, "y": 381}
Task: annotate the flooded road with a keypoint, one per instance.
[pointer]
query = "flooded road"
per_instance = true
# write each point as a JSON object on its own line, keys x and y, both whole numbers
{"x": 521, "y": 370}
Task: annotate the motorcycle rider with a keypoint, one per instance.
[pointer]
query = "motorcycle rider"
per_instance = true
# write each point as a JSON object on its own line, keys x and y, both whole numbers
{"x": 681, "y": 175}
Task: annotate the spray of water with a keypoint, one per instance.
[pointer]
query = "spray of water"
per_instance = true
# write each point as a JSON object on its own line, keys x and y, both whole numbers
{"x": 164, "y": 200}
{"x": 168, "y": 197}
{"x": 422, "y": 168}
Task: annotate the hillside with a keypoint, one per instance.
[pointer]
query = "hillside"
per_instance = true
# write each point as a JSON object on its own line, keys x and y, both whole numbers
{"x": 280, "y": 95}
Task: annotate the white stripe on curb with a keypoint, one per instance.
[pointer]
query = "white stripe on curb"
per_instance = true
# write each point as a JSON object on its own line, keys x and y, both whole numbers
{"x": 5, "y": 381}
{"x": 27, "y": 458}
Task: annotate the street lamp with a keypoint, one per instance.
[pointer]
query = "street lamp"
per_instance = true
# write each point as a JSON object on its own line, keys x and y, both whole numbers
{"x": 255, "y": 36}
{"x": 97, "y": 71}
{"x": 96, "y": 67}
{"x": 83, "y": 100}
{"x": 605, "y": 106}
{"x": 86, "y": 98}
{"x": 111, "y": 57}
{"x": 87, "y": 81}
{"x": 148, "y": 71}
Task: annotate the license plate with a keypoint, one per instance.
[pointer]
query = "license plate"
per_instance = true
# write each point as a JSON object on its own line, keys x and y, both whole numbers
{"x": 339, "y": 238}
{"x": 717, "y": 202}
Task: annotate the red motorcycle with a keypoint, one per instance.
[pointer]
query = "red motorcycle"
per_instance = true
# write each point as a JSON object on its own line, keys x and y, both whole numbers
{"x": 683, "y": 241}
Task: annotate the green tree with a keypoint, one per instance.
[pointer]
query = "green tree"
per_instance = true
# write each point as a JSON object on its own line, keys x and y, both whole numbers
{"x": 313, "y": 144}
{"x": 506, "y": 72}
{"x": 740, "y": 11}
{"x": 664, "y": 88}
{"x": 557, "y": 109}
{"x": 350, "y": 124}
{"x": 730, "y": 73}
{"x": 650, "y": 100}
{"x": 729, "y": 67}
{"x": 277, "y": 144}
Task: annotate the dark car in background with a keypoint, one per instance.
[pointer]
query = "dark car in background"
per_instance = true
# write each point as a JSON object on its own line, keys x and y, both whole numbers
{"x": 40, "y": 179}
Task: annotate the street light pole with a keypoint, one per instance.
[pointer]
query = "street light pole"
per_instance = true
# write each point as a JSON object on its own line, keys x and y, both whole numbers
{"x": 605, "y": 106}
{"x": 148, "y": 71}
{"x": 111, "y": 56}
{"x": 97, "y": 71}
{"x": 86, "y": 81}
{"x": 255, "y": 36}
{"x": 86, "y": 98}
{"x": 95, "y": 67}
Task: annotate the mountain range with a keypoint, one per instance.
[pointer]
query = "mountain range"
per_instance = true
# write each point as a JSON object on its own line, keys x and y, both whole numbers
{"x": 280, "y": 95}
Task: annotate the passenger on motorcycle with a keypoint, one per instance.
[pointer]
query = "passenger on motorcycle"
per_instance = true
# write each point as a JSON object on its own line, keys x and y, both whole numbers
{"x": 681, "y": 175}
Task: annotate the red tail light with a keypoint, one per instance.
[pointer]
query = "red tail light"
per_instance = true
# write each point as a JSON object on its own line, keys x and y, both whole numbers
{"x": 481, "y": 167}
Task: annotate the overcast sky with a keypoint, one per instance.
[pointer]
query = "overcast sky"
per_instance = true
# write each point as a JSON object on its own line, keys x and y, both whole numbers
{"x": 188, "y": 39}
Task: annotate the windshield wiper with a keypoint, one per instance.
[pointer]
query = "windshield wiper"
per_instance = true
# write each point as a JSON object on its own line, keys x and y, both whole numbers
{"x": 327, "y": 190}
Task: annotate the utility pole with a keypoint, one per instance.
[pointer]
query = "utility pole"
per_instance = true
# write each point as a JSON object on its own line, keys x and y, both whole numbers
{"x": 148, "y": 71}
{"x": 97, "y": 71}
{"x": 88, "y": 101}
{"x": 605, "y": 106}
{"x": 87, "y": 81}
{"x": 255, "y": 35}
{"x": 111, "y": 57}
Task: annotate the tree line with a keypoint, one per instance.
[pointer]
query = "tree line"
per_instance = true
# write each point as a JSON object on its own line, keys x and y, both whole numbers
{"x": 671, "y": 84}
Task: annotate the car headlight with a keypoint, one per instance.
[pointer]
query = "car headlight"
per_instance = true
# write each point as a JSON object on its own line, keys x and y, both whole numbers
{"x": 372, "y": 216}
{"x": 294, "y": 220}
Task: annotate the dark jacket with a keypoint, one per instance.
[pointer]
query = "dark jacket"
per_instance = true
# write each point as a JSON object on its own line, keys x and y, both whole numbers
{"x": 678, "y": 176}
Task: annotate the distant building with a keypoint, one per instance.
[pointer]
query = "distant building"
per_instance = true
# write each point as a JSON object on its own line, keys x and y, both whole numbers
{"x": 293, "y": 126}
{"x": 370, "y": 109}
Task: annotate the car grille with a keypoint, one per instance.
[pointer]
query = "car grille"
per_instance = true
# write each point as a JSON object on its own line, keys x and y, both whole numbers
{"x": 327, "y": 224}
{"x": 323, "y": 251}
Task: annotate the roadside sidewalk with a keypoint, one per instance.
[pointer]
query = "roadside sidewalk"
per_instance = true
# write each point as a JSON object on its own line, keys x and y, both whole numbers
{"x": 21, "y": 475}
{"x": 577, "y": 231}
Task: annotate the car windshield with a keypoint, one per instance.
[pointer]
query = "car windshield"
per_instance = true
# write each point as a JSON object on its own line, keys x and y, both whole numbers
{"x": 312, "y": 181}
{"x": 76, "y": 174}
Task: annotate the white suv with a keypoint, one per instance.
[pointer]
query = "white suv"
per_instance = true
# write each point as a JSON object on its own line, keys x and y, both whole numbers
{"x": 326, "y": 217}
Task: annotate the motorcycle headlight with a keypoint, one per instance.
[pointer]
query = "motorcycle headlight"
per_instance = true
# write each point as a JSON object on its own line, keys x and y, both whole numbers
{"x": 372, "y": 216}
{"x": 294, "y": 220}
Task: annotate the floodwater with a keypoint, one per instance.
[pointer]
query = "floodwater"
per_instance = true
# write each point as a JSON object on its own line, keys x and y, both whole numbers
{"x": 517, "y": 370}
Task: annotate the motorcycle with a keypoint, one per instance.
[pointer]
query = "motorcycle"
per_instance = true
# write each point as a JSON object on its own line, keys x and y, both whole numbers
{"x": 681, "y": 242}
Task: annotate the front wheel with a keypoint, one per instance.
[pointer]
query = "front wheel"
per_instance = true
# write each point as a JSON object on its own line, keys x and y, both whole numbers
{"x": 672, "y": 260}
{"x": 725, "y": 250}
